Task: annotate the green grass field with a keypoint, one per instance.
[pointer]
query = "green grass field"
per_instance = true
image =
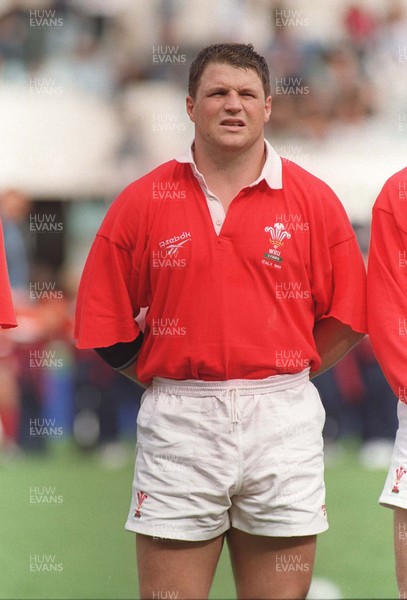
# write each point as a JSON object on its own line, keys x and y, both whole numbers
{"x": 91, "y": 556}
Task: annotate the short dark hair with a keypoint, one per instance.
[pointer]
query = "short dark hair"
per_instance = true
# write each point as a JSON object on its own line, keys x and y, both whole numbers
{"x": 237, "y": 55}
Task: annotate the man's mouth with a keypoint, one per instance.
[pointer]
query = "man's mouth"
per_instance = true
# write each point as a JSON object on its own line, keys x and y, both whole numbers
{"x": 233, "y": 123}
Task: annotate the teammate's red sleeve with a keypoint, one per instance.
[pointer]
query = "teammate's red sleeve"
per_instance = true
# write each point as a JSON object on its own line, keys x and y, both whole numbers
{"x": 7, "y": 314}
{"x": 387, "y": 286}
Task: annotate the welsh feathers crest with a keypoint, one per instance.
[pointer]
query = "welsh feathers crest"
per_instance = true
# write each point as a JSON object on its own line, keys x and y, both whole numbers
{"x": 278, "y": 234}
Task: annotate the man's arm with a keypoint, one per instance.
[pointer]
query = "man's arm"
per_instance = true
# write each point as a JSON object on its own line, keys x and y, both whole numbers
{"x": 387, "y": 296}
{"x": 333, "y": 340}
{"x": 122, "y": 357}
{"x": 130, "y": 372}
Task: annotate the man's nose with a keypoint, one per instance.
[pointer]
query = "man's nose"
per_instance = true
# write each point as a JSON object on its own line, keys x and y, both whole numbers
{"x": 233, "y": 102}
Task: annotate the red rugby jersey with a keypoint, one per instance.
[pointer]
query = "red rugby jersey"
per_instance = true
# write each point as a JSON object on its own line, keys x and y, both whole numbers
{"x": 387, "y": 282}
{"x": 7, "y": 315}
{"x": 239, "y": 305}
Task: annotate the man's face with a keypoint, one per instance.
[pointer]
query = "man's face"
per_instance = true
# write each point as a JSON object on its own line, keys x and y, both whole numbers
{"x": 230, "y": 108}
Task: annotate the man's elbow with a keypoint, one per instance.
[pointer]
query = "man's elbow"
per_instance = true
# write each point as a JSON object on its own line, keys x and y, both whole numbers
{"x": 354, "y": 337}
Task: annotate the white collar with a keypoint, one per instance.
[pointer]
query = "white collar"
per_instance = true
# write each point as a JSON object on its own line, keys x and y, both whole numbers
{"x": 271, "y": 172}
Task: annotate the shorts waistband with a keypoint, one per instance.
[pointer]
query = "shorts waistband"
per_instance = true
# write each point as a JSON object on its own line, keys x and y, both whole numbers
{"x": 199, "y": 388}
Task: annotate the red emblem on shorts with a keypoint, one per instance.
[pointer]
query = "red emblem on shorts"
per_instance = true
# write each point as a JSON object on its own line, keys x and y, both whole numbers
{"x": 323, "y": 507}
{"x": 141, "y": 496}
{"x": 400, "y": 472}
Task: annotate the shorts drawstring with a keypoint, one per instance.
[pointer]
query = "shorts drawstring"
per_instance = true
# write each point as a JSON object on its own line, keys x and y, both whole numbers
{"x": 234, "y": 395}
{"x": 230, "y": 388}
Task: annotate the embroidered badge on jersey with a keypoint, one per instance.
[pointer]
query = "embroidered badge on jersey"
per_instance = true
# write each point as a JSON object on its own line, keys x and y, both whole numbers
{"x": 278, "y": 234}
{"x": 400, "y": 472}
{"x": 141, "y": 496}
{"x": 169, "y": 253}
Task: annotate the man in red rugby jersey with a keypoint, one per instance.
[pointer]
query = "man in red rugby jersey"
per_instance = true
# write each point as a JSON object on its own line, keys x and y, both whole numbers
{"x": 387, "y": 324}
{"x": 7, "y": 315}
{"x": 253, "y": 281}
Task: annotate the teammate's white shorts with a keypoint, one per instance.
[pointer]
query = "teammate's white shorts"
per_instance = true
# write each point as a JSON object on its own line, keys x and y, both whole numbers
{"x": 395, "y": 489}
{"x": 241, "y": 453}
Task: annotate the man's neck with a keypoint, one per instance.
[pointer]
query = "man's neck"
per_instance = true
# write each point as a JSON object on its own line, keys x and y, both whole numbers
{"x": 227, "y": 172}
{"x": 230, "y": 167}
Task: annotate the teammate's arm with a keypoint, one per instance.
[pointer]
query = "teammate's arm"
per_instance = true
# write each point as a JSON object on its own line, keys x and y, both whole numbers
{"x": 333, "y": 339}
{"x": 387, "y": 298}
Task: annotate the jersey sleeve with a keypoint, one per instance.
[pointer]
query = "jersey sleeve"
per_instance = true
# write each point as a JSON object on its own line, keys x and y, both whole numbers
{"x": 7, "y": 314}
{"x": 347, "y": 286}
{"x": 106, "y": 304}
{"x": 387, "y": 295}
{"x": 340, "y": 275}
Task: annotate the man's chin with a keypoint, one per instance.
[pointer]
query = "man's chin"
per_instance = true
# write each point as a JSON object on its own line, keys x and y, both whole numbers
{"x": 233, "y": 144}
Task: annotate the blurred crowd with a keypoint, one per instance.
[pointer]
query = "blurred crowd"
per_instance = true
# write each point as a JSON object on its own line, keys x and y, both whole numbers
{"x": 134, "y": 55}
{"x": 108, "y": 49}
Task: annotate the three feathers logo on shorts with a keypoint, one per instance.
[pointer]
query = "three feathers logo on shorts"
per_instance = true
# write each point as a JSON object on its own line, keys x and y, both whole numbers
{"x": 141, "y": 496}
{"x": 278, "y": 234}
{"x": 400, "y": 472}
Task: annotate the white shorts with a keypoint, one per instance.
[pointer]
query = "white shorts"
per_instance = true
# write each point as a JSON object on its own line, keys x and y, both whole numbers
{"x": 241, "y": 453}
{"x": 395, "y": 489}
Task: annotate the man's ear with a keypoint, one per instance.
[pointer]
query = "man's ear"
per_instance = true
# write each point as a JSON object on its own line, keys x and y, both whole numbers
{"x": 267, "y": 109}
{"x": 190, "y": 106}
